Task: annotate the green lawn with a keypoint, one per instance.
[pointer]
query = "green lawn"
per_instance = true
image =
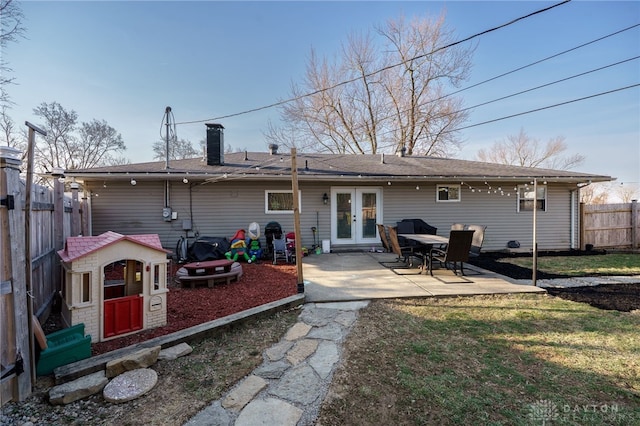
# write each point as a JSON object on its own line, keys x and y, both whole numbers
{"x": 606, "y": 264}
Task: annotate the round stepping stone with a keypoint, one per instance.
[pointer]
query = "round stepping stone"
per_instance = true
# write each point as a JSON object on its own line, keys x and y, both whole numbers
{"x": 130, "y": 385}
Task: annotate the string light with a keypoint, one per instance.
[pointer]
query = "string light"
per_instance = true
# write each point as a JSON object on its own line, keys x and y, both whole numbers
{"x": 489, "y": 189}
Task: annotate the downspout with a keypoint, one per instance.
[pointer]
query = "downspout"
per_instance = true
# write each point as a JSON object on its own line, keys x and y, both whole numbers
{"x": 573, "y": 221}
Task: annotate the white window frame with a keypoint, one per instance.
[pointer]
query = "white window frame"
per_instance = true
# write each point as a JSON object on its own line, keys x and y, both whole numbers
{"x": 529, "y": 190}
{"x": 446, "y": 188}
{"x": 280, "y": 191}
{"x": 155, "y": 278}
{"x": 74, "y": 289}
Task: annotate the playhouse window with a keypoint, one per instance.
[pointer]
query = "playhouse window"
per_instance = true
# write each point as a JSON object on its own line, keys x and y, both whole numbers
{"x": 280, "y": 201}
{"x": 77, "y": 288}
{"x": 67, "y": 288}
{"x": 85, "y": 293}
{"x": 158, "y": 271}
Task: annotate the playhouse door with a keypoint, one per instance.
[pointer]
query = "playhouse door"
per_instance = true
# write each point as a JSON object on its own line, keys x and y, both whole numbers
{"x": 122, "y": 315}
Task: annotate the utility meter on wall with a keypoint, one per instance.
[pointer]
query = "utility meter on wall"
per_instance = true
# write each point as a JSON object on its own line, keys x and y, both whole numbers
{"x": 166, "y": 213}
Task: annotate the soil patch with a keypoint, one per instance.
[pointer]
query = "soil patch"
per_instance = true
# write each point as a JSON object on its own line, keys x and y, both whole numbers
{"x": 620, "y": 297}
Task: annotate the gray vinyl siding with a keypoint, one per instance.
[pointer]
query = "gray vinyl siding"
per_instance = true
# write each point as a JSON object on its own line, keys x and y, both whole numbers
{"x": 127, "y": 209}
{"x": 215, "y": 210}
{"x": 220, "y": 209}
{"x": 498, "y": 212}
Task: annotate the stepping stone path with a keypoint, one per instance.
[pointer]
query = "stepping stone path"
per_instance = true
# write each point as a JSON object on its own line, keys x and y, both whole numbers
{"x": 288, "y": 388}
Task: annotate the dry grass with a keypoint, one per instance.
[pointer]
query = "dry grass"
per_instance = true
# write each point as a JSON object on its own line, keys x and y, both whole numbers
{"x": 488, "y": 360}
{"x": 185, "y": 385}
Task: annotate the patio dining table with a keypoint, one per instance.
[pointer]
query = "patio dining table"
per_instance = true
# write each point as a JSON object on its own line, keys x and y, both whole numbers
{"x": 426, "y": 239}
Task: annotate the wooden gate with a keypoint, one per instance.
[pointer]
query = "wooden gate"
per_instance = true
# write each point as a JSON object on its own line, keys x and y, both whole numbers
{"x": 122, "y": 315}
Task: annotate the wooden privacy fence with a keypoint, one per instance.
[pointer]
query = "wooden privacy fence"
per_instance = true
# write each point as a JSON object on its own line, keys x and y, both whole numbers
{"x": 610, "y": 226}
{"x": 28, "y": 285}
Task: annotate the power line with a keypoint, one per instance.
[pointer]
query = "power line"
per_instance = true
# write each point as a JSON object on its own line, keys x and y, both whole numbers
{"x": 534, "y": 110}
{"x": 544, "y": 108}
{"x": 386, "y": 132}
{"x": 564, "y": 52}
{"x": 275, "y": 104}
{"x": 549, "y": 84}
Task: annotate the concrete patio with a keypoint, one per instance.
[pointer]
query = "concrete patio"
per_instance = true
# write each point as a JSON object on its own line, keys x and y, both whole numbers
{"x": 333, "y": 277}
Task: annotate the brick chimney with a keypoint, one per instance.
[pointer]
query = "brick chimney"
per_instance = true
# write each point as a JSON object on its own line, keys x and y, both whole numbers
{"x": 215, "y": 144}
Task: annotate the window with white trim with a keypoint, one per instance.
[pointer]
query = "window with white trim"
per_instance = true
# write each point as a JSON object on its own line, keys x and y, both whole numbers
{"x": 526, "y": 197}
{"x": 447, "y": 193}
{"x": 85, "y": 288}
{"x": 158, "y": 285}
{"x": 77, "y": 288}
{"x": 280, "y": 201}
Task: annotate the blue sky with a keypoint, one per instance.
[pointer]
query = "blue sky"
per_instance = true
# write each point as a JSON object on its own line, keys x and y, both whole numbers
{"x": 124, "y": 62}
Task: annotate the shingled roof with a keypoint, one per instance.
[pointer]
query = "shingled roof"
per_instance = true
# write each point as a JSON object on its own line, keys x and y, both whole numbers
{"x": 311, "y": 166}
{"x": 77, "y": 247}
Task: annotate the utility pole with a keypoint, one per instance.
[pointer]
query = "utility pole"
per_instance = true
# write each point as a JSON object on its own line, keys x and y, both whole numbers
{"x": 167, "y": 113}
{"x": 296, "y": 220}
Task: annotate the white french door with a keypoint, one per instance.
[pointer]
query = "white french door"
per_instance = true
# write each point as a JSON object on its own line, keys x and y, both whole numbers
{"x": 354, "y": 214}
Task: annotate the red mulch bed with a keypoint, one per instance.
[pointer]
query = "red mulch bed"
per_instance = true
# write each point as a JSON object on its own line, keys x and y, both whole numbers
{"x": 260, "y": 283}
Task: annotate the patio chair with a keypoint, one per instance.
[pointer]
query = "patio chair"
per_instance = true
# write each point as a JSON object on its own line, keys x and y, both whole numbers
{"x": 383, "y": 238}
{"x": 415, "y": 226}
{"x": 281, "y": 250}
{"x": 404, "y": 253}
{"x": 478, "y": 239}
{"x": 458, "y": 226}
{"x": 456, "y": 252}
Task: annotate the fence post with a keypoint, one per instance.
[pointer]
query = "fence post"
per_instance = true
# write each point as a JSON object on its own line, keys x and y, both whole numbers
{"x": 634, "y": 224}
{"x": 58, "y": 223}
{"x": 16, "y": 329}
{"x": 76, "y": 226}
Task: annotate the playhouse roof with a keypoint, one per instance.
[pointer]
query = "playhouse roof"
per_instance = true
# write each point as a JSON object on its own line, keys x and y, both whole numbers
{"x": 77, "y": 247}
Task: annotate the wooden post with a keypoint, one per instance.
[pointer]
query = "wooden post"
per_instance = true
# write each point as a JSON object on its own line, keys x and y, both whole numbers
{"x": 76, "y": 225}
{"x": 15, "y": 319}
{"x": 296, "y": 219}
{"x": 58, "y": 223}
{"x": 27, "y": 241}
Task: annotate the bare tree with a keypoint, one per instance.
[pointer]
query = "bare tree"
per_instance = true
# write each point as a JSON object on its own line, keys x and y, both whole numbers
{"x": 596, "y": 193}
{"x": 178, "y": 149}
{"x": 627, "y": 192}
{"x": 9, "y": 135}
{"x": 523, "y": 150}
{"x": 119, "y": 161}
{"x": 11, "y": 29}
{"x": 98, "y": 144}
{"x": 68, "y": 147}
{"x": 382, "y": 97}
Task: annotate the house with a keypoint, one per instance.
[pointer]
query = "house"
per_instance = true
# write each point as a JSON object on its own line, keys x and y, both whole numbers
{"x": 115, "y": 284}
{"x": 341, "y": 196}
